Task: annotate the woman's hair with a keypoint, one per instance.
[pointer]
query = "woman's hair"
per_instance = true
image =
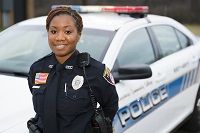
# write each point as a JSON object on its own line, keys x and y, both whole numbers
{"x": 65, "y": 10}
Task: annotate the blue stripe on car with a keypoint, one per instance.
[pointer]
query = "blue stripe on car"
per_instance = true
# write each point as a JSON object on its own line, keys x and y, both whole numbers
{"x": 131, "y": 114}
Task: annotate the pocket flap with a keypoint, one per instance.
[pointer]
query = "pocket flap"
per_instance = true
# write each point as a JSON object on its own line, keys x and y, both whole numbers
{"x": 75, "y": 95}
{"x": 38, "y": 89}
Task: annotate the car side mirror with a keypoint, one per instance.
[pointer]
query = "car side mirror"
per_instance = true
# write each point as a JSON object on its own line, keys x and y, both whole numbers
{"x": 136, "y": 71}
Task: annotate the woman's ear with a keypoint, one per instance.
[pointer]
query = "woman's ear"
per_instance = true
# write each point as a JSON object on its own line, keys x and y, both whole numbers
{"x": 79, "y": 36}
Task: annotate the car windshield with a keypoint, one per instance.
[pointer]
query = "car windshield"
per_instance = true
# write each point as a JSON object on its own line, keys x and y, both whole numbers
{"x": 20, "y": 46}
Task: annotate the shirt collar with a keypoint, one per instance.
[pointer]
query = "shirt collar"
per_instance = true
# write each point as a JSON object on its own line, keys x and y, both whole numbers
{"x": 71, "y": 61}
{"x": 52, "y": 61}
{"x": 68, "y": 64}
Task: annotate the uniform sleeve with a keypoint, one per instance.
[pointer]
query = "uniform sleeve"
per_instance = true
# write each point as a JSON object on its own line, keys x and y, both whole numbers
{"x": 106, "y": 94}
{"x": 30, "y": 78}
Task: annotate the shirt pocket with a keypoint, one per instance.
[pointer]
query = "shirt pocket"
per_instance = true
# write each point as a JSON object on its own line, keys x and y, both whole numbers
{"x": 38, "y": 99}
{"x": 74, "y": 103}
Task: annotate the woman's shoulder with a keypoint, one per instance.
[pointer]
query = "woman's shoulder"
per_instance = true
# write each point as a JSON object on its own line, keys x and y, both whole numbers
{"x": 42, "y": 59}
{"x": 97, "y": 64}
{"x": 102, "y": 70}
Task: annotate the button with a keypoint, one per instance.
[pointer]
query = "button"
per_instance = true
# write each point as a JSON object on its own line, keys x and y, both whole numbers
{"x": 74, "y": 96}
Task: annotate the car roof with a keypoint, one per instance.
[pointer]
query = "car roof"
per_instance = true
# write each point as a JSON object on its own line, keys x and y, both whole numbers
{"x": 34, "y": 21}
{"x": 112, "y": 21}
{"x": 104, "y": 21}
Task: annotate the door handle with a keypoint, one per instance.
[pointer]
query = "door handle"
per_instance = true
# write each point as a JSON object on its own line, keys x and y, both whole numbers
{"x": 160, "y": 77}
{"x": 195, "y": 59}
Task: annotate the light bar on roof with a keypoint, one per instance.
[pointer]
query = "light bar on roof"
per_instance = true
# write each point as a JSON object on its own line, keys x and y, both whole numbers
{"x": 126, "y": 9}
{"x": 116, "y": 9}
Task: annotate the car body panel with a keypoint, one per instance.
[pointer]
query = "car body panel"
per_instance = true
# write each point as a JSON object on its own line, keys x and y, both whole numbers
{"x": 168, "y": 109}
{"x": 186, "y": 61}
{"x": 15, "y": 101}
{"x": 175, "y": 78}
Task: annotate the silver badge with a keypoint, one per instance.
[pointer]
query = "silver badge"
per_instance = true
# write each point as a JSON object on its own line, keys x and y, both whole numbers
{"x": 77, "y": 82}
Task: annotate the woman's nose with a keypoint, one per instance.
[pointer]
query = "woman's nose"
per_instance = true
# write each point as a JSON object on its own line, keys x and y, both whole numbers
{"x": 60, "y": 37}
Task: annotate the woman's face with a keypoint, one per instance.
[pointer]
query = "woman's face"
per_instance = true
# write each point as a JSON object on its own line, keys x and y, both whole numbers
{"x": 63, "y": 36}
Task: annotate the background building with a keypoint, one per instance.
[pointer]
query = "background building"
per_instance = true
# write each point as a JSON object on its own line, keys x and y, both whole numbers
{"x": 13, "y": 11}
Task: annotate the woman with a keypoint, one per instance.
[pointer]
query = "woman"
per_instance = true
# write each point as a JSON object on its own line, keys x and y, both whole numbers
{"x": 61, "y": 94}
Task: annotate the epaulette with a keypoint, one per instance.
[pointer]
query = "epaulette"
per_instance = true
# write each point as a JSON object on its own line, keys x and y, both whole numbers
{"x": 97, "y": 64}
{"x": 43, "y": 57}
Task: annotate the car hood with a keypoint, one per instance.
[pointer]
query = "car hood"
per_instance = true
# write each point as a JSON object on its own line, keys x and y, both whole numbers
{"x": 16, "y": 104}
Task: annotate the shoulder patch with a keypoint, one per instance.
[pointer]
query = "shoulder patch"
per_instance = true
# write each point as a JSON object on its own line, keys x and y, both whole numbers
{"x": 108, "y": 76}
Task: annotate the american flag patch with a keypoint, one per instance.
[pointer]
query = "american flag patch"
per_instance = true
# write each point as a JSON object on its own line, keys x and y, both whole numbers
{"x": 41, "y": 78}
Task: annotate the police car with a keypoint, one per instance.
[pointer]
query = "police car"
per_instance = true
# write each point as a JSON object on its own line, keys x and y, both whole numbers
{"x": 124, "y": 38}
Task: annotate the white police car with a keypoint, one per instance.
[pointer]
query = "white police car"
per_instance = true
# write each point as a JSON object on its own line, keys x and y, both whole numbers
{"x": 122, "y": 38}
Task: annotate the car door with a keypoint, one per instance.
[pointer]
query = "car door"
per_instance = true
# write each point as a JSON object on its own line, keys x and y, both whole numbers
{"x": 136, "y": 95}
{"x": 179, "y": 74}
{"x": 156, "y": 104}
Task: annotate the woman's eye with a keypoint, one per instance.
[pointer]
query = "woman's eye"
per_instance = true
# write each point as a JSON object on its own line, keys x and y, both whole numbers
{"x": 53, "y": 32}
{"x": 68, "y": 32}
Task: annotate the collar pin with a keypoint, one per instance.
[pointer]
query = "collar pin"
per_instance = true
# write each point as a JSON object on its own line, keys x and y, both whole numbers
{"x": 68, "y": 67}
{"x": 50, "y": 66}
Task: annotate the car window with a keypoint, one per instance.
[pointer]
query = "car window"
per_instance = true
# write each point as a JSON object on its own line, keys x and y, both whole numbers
{"x": 95, "y": 42}
{"x": 137, "y": 48}
{"x": 184, "y": 41}
{"x": 21, "y": 46}
{"x": 167, "y": 39}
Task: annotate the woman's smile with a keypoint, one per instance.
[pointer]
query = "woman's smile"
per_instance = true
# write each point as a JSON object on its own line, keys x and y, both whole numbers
{"x": 60, "y": 46}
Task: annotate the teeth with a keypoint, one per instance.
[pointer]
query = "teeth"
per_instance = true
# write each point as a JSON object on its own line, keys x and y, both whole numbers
{"x": 60, "y": 46}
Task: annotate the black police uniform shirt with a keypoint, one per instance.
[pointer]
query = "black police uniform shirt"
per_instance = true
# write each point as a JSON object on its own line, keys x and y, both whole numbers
{"x": 73, "y": 107}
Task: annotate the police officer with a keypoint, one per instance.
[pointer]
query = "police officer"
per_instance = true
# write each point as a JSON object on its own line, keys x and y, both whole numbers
{"x": 60, "y": 90}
